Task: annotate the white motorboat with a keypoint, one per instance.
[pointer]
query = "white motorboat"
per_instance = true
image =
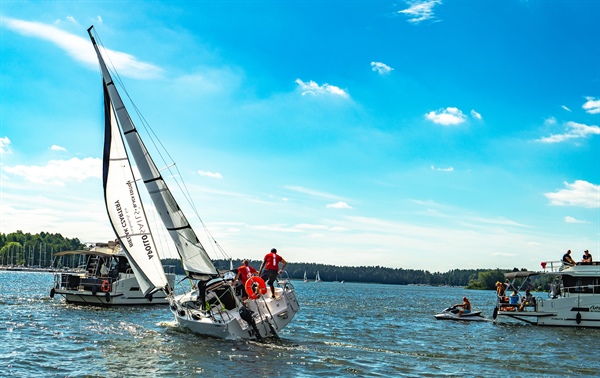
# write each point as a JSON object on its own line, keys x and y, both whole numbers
{"x": 211, "y": 307}
{"x": 452, "y": 313}
{"x": 572, "y": 298}
{"x": 105, "y": 278}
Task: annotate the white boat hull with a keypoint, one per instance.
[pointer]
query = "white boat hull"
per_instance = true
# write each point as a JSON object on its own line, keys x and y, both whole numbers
{"x": 270, "y": 315}
{"x": 123, "y": 292}
{"x": 471, "y": 317}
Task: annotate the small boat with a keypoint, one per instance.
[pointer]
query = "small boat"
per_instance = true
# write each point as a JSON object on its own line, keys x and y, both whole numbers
{"x": 452, "y": 313}
{"x": 211, "y": 307}
{"x": 572, "y": 298}
{"x": 318, "y": 277}
{"x": 305, "y": 279}
{"x": 105, "y": 278}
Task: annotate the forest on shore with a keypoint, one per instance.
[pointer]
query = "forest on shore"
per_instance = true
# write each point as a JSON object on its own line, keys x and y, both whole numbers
{"x": 27, "y": 249}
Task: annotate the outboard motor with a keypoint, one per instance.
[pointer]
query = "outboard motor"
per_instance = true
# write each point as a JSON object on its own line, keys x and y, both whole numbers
{"x": 246, "y": 314}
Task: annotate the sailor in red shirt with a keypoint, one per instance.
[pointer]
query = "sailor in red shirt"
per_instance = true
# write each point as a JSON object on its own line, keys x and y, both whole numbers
{"x": 244, "y": 272}
{"x": 271, "y": 265}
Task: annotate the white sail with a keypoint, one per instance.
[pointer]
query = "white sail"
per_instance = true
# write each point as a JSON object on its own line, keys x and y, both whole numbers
{"x": 195, "y": 260}
{"x": 125, "y": 208}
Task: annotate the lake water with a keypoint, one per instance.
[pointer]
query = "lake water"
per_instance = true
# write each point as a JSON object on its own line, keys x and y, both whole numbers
{"x": 363, "y": 330}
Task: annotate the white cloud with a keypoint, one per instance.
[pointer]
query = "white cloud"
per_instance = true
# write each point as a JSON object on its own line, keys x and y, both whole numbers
{"x": 565, "y": 108}
{"x": 569, "y": 219}
{"x": 592, "y": 105}
{"x": 580, "y": 193}
{"x": 315, "y": 89}
{"x": 381, "y": 68}
{"x": 312, "y": 192}
{"x": 476, "y": 115}
{"x": 339, "y": 205}
{"x": 58, "y": 172}
{"x": 216, "y": 175}
{"x": 449, "y": 169}
{"x": 420, "y": 10}
{"x": 72, "y": 20}
{"x": 574, "y": 131}
{"x": 4, "y": 145}
{"x": 54, "y": 147}
{"x": 81, "y": 49}
{"x": 448, "y": 116}
{"x": 550, "y": 121}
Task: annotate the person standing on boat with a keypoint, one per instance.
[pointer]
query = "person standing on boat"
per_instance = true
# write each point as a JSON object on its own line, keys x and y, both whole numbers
{"x": 587, "y": 257}
{"x": 465, "y": 306}
{"x": 567, "y": 259}
{"x": 244, "y": 272}
{"x": 271, "y": 269}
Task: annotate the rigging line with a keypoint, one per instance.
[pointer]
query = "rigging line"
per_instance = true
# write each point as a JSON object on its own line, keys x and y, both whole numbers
{"x": 160, "y": 149}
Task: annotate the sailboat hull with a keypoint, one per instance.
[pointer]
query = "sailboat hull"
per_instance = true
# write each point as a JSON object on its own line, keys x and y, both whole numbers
{"x": 270, "y": 315}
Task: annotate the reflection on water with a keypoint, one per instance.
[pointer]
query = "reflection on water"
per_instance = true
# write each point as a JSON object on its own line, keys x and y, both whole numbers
{"x": 341, "y": 330}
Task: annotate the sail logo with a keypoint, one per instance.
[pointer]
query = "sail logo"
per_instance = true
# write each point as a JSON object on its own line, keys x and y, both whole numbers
{"x": 123, "y": 222}
{"x": 147, "y": 247}
{"x": 594, "y": 308}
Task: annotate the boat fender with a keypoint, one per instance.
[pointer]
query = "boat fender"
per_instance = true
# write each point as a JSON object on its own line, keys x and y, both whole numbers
{"x": 94, "y": 290}
{"x": 578, "y": 318}
{"x": 52, "y": 293}
{"x": 495, "y": 314}
{"x": 105, "y": 286}
{"x": 107, "y": 297}
{"x": 251, "y": 284}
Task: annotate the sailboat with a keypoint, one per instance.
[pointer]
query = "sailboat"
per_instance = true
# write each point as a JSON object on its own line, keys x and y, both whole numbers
{"x": 305, "y": 279}
{"x": 211, "y": 307}
{"x": 318, "y": 277}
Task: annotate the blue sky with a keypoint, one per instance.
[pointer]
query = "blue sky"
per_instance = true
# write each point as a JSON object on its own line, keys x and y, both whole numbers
{"x": 417, "y": 134}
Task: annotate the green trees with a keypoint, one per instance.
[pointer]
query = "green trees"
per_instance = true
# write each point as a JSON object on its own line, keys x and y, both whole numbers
{"x": 20, "y": 248}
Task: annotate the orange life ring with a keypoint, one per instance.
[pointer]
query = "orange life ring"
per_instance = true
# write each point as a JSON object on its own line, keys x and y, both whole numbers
{"x": 105, "y": 286}
{"x": 254, "y": 280}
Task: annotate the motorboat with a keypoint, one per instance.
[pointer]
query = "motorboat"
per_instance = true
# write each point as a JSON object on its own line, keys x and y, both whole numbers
{"x": 453, "y": 313}
{"x": 571, "y": 299}
{"x": 104, "y": 278}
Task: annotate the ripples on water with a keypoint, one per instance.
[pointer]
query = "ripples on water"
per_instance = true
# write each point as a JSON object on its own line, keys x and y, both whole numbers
{"x": 342, "y": 330}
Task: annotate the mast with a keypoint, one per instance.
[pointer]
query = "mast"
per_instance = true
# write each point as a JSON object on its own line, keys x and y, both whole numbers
{"x": 195, "y": 260}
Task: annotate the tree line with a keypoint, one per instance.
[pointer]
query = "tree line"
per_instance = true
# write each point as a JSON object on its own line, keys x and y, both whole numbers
{"x": 27, "y": 249}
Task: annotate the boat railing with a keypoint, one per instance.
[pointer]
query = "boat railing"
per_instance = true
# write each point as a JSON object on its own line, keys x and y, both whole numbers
{"x": 553, "y": 266}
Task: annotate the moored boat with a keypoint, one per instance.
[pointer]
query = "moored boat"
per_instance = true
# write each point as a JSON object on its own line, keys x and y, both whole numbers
{"x": 572, "y": 298}
{"x": 105, "y": 278}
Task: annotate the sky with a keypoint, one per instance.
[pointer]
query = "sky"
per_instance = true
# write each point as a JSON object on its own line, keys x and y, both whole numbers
{"x": 430, "y": 135}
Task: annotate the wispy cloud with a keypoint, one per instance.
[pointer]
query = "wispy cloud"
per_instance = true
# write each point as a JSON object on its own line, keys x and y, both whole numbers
{"x": 339, "y": 205}
{"x": 574, "y": 131}
{"x": 216, "y": 175}
{"x": 449, "y": 169}
{"x": 315, "y": 89}
{"x": 476, "y": 115}
{"x": 592, "y": 105}
{"x": 565, "y": 108}
{"x": 381, "y": 68}
{"x": 446, "y": 117}
{"x": 313, "y": 193}
{"x": 420, "y": 10}
{"x": 580, "y": 193}
{"x": 54, "y": 147}
{"x": 4, "y": 145}
{"x": 58, "y": 172}
{"x": 569, "y": 219}
{"x": 81, "y": 49}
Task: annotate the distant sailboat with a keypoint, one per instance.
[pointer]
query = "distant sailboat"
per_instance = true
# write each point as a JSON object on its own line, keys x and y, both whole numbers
{"x": 305, "y": 279}
{"x": 211, "y": 307}
{"x": 318, "y": 277}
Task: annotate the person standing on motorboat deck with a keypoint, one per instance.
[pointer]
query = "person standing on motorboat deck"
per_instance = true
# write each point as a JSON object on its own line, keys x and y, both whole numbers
{"x": 465, "y": 306}
{"x": 244, "y": 272}
{"x": 567, "y": 259}
{"x": 271, "y": 269}
{"x": 500, "y": 288}
{"x": 587, "y": 257}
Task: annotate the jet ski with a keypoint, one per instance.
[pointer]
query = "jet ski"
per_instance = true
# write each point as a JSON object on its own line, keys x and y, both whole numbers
{"x": 452, "y": 313}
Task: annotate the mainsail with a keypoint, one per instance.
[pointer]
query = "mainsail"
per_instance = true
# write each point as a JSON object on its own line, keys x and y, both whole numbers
{"x": 195, "y": 260}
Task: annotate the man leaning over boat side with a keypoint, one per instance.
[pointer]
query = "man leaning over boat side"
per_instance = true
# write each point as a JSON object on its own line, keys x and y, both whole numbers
{"x": 244, "y": 272}
{"x": 271, "y": 269}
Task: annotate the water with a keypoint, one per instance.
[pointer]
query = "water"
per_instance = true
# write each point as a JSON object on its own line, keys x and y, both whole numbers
{"x": 342, "y": 330}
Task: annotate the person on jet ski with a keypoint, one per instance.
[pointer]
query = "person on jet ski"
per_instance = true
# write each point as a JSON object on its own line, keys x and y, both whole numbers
{"x": 465, "y": 306}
